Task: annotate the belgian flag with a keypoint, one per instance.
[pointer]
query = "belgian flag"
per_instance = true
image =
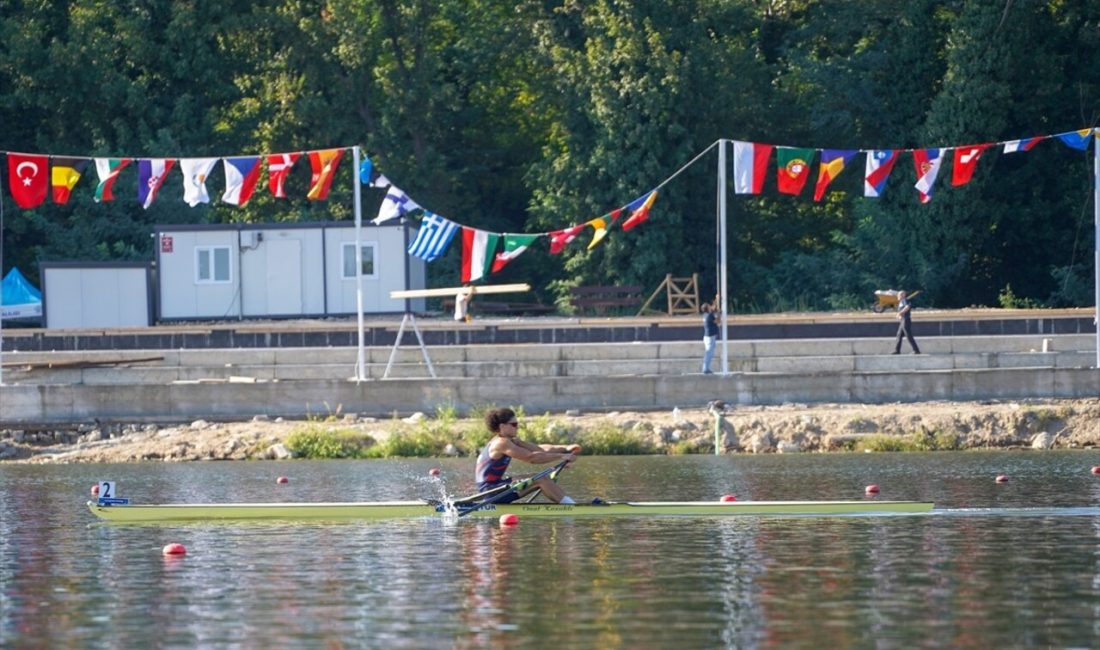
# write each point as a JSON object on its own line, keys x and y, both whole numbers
{"x": 64, "y": 176}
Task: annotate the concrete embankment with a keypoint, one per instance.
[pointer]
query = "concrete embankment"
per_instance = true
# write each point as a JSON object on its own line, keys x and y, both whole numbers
{"x": 184, "y": 384}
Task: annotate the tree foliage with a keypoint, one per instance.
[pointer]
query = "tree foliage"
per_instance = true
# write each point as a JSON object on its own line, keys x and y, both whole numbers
{"x": 535, "y": 115}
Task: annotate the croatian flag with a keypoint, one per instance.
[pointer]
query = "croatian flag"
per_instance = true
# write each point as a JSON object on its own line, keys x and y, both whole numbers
{"x": 750, "y": 165}
{"x": 241, "y": 175}
{"x": 435, "y": 235}
{"x": 880, "y": 162}
{"x": 151, "y": 175}
{"x": 927, "y": 163}
{"x": 1013, "y": 146}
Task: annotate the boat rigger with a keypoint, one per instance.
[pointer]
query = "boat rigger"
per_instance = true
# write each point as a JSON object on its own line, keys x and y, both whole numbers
{"x": 209, "y": 512}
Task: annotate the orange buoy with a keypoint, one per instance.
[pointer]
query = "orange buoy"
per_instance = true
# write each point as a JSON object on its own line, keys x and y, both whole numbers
{"x": 282, "y": 479}
{"x": 728, "y": 498}
{"x": 434, "y": 471}
{"x": 1096, "y": 469}
{"x": 871, "y": 489}
{"x": 510, "y": 519}
{"x": 174, "y": 549}
{"x": 1001, "y": 478}
{"x": 95, "y": 488}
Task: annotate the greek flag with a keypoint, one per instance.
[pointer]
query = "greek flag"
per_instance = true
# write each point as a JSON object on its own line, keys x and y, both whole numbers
{"x": 435, "y": 235}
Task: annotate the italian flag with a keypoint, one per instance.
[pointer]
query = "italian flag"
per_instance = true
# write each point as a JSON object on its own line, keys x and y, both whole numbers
{"x": 478, "y": 247}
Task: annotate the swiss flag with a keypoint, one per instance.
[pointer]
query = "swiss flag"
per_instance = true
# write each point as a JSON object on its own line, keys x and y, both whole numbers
{"x": 30, "y": 179}
{"x": 966, "y": 160}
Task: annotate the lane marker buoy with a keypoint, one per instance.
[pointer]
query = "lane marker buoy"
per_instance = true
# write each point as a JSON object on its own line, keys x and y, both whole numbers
{"x": 433, "y": 471}
{"x": 728, "y": 498}
{"x": 510, "y": 519}
{"x": 871, "y": 489}
{"x": 282, "y": 479}
{"x": 1001, "y": 478}
{"x": 174, "y": 549}
{"x": 1095, "y": 469}
{"x": 95, "y": 488}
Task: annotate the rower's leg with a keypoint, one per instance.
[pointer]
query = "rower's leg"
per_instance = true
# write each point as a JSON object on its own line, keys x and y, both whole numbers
{"x": 551, "y": 489}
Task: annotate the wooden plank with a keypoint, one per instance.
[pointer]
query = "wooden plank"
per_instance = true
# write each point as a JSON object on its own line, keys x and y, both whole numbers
{"x": 452, "y": 291}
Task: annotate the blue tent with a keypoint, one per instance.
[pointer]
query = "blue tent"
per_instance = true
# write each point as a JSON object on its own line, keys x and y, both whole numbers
{"x": 19, "y": 298}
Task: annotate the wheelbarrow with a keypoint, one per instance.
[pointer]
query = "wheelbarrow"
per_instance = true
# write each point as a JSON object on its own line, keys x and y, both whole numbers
{"x": 888, "y": 299}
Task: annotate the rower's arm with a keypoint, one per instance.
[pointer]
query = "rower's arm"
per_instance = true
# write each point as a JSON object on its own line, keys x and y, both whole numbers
{"x": 532, "y": 453}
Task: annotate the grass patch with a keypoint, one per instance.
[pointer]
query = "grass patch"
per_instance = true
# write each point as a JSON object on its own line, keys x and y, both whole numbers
{"x": 916, "y": 441}
{"x": 609, "y": 440}
{"x": 316, "y": 440}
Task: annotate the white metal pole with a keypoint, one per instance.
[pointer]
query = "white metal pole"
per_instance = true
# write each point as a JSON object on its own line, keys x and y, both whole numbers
{"x": 361, "y": 359}
{"x": 722, "y": 255}
{"x": 1096, "y": 233}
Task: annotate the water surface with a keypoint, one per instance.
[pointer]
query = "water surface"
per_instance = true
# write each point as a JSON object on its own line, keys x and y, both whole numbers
{"x": 1014, "y": 564}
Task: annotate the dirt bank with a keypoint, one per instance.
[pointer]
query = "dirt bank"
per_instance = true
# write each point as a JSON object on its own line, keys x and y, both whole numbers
{"x": 749, "y": 429}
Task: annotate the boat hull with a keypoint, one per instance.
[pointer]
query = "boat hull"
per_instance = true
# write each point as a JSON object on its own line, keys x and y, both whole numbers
{"x": 206, "y": 512}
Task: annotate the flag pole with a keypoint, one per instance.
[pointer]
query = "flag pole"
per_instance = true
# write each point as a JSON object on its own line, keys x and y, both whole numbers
{"x": 1, "y": 284}
{"x": 722, "y": 254}
{"x": 1096, "y": 234}
{"x": 360, "y": 363}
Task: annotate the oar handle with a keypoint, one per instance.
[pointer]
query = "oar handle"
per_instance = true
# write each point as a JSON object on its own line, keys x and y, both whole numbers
{"x": 515, "y": 487}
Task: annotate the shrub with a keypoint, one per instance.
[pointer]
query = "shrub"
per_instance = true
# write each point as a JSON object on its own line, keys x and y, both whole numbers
{"x": 609, "y": 440}
{"x": 316, "y": 441}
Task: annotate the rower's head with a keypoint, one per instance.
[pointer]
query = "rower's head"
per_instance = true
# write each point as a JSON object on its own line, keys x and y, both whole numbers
{"x": 502, "y": 421}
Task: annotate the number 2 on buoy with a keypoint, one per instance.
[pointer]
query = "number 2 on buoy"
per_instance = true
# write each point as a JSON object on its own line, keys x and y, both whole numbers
{"x": 106, "y": 489}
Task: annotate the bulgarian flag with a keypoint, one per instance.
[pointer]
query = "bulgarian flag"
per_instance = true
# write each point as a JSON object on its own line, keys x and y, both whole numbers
{"x": 750, "y": 165}
{"x": 478, "y": 247}
{"x": 514, "y": 246}
{"x": 108, "y": 170}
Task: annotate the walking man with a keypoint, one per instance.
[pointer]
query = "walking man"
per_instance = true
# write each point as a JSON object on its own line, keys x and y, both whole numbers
{"x": 905, "y": 324}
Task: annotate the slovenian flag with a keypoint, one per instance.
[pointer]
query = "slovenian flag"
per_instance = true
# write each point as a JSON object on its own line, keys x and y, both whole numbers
{"x": 832, "y": 163}
{"x": 880, "y": 162}
{"x": 927, "y": 163}
{"x": 478, "y": 247}
{"x": 151, "y": 175}
{"x": 750, "y": 165}
{"x": 1026, "y": 144}
{"x": 241, "y": 176}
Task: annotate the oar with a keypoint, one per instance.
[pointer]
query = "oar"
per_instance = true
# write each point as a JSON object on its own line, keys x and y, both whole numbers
{"x": 515, "y": 487}
{"x": 553, "y": 477}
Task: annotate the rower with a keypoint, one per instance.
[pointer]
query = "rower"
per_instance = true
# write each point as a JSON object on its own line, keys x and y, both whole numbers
{"x": 493, "y": 459}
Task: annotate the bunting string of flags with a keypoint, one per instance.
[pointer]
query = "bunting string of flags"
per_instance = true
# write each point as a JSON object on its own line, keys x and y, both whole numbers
{"x": 33, "y": 177}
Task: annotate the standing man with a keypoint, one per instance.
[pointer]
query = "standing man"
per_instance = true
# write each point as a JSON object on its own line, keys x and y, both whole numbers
{"x": 494, "y": 457}
{"x": 905, "y": 324}
{"x": 710, "y": 333}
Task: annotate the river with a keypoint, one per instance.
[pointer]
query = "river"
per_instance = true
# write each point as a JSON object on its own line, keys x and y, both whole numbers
{"x": 997, "y": 564}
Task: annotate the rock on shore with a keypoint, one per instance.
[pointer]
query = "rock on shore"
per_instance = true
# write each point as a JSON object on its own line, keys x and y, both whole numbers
{"x": 788, "y": 428}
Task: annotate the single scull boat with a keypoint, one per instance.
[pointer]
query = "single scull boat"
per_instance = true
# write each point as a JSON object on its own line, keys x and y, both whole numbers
{"x": 205, "y": 512}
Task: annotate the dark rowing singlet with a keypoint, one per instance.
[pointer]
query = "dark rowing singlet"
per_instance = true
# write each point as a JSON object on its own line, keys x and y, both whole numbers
{"x": 489, "y": 473}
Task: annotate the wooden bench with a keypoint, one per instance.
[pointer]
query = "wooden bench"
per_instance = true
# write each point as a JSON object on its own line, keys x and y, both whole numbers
{"x": 479, "y": 306}
{"x": 600, "y": 299}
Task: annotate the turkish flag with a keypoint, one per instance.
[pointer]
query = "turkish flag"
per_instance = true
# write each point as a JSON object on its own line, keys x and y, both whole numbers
{"x": 29, "y": 179}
